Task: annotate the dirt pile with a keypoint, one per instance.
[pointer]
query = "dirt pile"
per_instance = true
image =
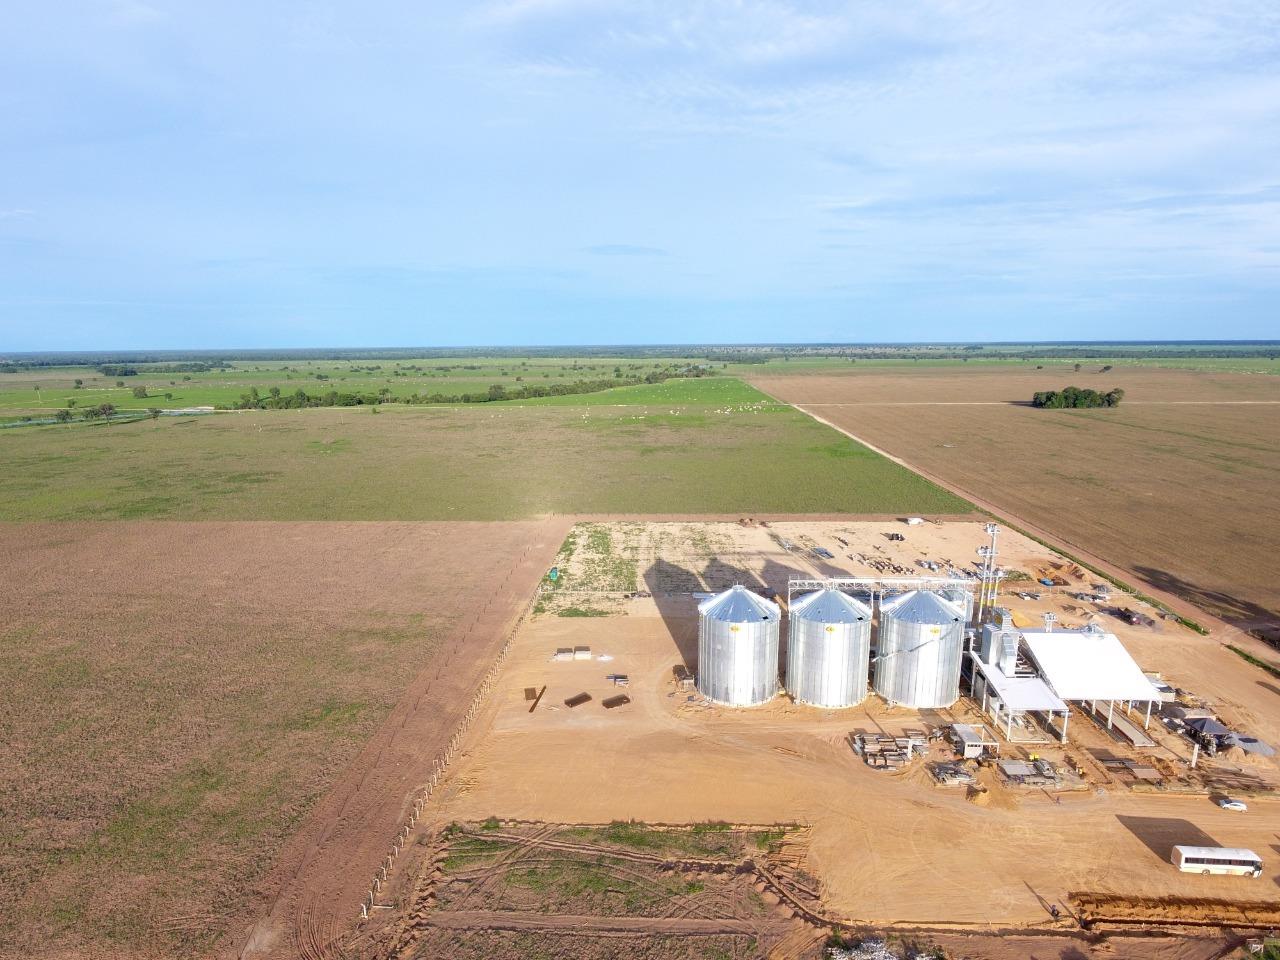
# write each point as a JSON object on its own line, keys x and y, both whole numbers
{"x": 1096, "y": 909}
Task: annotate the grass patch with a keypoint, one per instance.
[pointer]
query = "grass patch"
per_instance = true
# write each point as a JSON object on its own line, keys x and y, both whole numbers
{"x": 767, "y": 839}
{"x": 710, "y": 840}
{"x": 581, "y": 612}
{"x": 471, "y": 852}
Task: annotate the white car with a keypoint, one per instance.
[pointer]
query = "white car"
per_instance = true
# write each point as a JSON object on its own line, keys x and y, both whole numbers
{"x": 1226, "y": 803}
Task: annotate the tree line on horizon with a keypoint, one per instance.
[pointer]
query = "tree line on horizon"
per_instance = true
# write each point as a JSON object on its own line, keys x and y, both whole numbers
{"x": 275, "y": 399}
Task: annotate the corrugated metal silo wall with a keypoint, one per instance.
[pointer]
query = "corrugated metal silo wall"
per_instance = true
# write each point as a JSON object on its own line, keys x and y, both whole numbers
{"x": 737, "y": 662}
{"x": 918, "y": 664}
{"x": 827, "y": 663}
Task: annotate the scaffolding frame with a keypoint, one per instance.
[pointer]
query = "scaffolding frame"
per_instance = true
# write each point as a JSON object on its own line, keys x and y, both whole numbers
{"x": 877, "y": 587}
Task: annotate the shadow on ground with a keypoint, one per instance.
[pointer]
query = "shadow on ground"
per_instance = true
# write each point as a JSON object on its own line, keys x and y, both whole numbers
{"x": 1161, "y": 834}
{"x": 672, "y": 587}
{"x": 1235, "y": 610}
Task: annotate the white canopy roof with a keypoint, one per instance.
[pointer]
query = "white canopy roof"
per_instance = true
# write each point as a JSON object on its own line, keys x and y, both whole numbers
{"x": 1087, "y": 665}
{"x": 1020, "y": 693}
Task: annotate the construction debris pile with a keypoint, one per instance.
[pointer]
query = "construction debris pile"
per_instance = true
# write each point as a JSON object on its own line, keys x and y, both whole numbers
{"x": 952, "y": 775}
{"x": 1030, "y": 773}
{"x": 876, "y": 948}
{"x": 889, "y": 753}
{"x": 1199, "y": 724}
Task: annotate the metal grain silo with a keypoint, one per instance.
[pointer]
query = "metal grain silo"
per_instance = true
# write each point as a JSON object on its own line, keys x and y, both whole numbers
{"x": 738, "y": 648}
{"x": 828, "y": 649}
{"x": 961, "y": 598}
{"x": 920, "y": 647}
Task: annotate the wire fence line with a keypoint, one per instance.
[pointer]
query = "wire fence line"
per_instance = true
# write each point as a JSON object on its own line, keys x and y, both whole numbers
{"x": 439, "y": 765}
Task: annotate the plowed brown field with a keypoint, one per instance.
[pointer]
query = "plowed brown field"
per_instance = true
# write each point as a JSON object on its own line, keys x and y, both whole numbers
{"x": 1176, "y": 486}
{"x": 208, "y": 723}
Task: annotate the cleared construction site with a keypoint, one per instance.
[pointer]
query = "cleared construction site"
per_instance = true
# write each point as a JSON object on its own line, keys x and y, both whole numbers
{"x": 956, "y": 727}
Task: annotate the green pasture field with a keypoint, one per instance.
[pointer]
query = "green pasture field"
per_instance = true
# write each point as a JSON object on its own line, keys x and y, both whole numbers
{"x": 679, "y": 391}
{"x": 44, "y": 389}
{"x": 478, "y": 462}
{"x": 48, "y": 388}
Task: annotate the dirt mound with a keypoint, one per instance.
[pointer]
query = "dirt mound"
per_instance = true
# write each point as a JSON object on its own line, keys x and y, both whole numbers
{"x": 979, "y": 796}
{"x": 998, "y": 795}
{"x": 1104, "y": 908}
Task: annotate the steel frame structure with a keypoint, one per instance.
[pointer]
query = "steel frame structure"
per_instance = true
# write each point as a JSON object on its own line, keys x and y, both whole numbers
{"x": 877, "y": 586}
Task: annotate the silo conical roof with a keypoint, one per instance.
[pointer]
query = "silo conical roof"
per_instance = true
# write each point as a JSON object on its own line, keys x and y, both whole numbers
{"x": 739, "y": 605}
{"x": 830, "y": 606}
{"x": 922, "y": 606}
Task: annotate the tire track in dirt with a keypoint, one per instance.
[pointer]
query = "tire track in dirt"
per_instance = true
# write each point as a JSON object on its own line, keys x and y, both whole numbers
{"x": 324, "y": 871}
{"x": 588, "y": 926}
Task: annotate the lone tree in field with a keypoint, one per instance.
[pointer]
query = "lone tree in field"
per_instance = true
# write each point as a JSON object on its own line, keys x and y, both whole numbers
{"x": 1070, "y": 398}
{"x": 140, "y": 393}
{"x": 62, "y": 416}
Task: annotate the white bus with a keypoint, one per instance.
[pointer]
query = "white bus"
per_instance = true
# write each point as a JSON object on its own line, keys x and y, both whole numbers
{"x": 1207, "y": 860}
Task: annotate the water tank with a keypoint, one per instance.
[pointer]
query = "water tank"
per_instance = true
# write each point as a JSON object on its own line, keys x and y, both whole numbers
{"x": 828, "y": 649}
{"x": 738, "y": 648}
{"x": 920, "y": 647}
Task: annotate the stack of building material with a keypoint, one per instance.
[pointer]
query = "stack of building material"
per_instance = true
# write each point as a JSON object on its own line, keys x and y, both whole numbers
{"x": 887, "y": 753}
{"x": 951, "y": 775}
{"x": 1034, "y": 773}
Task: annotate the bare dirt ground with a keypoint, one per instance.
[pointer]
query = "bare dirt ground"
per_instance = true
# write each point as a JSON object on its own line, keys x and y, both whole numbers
{"x": 323, "y": 873}
{"x": 180, "y": 696}
{"x": 984, "y": 383}
{"x": 890, "y": 849}
{"x": 1176, "y": 486}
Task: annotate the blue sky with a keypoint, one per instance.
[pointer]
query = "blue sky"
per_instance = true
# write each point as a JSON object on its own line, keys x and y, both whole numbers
{"x": 569, "y": 171}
